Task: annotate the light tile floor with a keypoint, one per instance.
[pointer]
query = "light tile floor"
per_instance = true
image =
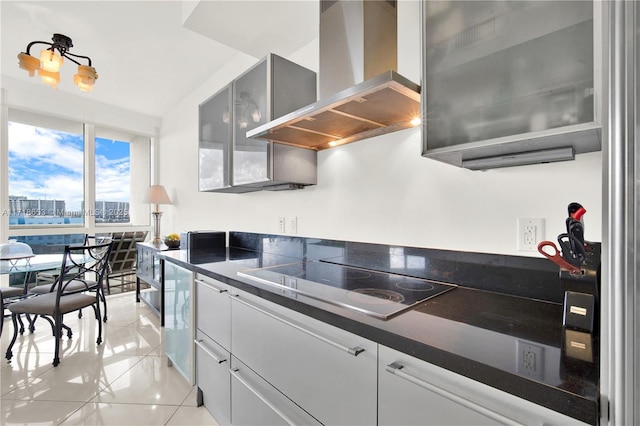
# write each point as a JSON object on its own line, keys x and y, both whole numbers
{"x": 124, "y": 381}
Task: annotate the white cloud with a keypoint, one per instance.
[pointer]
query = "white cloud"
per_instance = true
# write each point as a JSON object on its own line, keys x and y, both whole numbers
{"x": 46, "y": 147}
{"x": 113, "y": 179}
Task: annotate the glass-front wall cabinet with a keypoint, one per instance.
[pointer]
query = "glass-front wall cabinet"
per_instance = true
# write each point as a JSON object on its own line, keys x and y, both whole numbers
{"x": 215, "y": 116}
{"x": 231, "y": 162}
{"x": 250, "y": 108}
{"x": 495, "y": 69}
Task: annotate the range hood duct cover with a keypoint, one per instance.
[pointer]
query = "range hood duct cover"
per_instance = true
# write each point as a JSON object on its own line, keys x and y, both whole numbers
{"x": 361, "y": 95}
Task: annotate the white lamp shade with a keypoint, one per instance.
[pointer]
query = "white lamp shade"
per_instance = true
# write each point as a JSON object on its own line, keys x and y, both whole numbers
{"x": 156, "y": 194}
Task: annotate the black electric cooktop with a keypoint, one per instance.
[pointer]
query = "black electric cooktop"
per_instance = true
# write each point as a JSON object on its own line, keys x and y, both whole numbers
{"x": 374, "y": 293}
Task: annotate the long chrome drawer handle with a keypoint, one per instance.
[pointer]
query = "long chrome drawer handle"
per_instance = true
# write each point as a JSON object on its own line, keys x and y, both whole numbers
{"x": 396, "y": 369}
{"x": 355, "y": 351}
{"x": 200, "y": 344}
{"x": 275, "y": 409}
{"x": 219, "y": 290}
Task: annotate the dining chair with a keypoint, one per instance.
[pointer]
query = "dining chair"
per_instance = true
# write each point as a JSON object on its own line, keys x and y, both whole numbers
{"x": 123, "y": 259}
{"x": 83, "y": 268}
{"x": 6, "y": 293}
{"x": 54, "y": 278}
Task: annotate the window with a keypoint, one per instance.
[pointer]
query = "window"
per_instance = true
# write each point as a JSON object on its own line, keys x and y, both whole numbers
{"x": 113, "y": 177}
{"x": 46, "y": 171}
{"x": 68, "y": 174}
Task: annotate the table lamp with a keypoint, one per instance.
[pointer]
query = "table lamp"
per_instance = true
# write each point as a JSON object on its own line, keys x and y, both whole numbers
{"x": 156, "y": 194}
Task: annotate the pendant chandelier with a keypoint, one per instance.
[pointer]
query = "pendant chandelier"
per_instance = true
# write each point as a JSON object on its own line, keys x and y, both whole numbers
{"x": 48, "y": 66}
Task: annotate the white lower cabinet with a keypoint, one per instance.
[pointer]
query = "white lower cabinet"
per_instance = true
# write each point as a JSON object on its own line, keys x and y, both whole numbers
{"x": 255, "y": 402}
{"x": 214, "y": 309}
{"x": 414, "y": 392}
{"x": 259, "y": 363}
{"x": 330, "y": 373}
{"x": 213, "y": 378}
{"x": 213, "y": 344}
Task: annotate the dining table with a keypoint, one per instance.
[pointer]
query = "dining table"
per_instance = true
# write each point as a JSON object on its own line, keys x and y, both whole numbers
{"x": 27, "y": 266}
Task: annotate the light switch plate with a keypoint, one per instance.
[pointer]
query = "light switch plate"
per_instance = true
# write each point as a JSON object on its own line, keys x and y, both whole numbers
{"x": 292, "y": 224}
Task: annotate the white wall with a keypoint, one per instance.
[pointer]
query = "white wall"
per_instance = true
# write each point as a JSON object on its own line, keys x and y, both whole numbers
{"x": 38, "y": 98}
{"x": 380, "y": 189}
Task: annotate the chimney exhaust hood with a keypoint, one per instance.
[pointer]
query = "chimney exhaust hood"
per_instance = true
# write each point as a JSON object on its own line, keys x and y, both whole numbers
{"x": 361, "y": 94}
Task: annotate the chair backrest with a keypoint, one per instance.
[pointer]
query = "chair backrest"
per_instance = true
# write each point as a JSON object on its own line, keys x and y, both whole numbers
{"x": 83, "y": 265}
{"x": 122, "y": 259}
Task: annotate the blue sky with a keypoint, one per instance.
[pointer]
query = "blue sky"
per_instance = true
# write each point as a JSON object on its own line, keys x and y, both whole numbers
{"x": 48, "y": 164}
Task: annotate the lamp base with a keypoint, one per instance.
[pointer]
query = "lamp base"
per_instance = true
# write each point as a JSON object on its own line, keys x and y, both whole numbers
{"x": 156, "y": 227}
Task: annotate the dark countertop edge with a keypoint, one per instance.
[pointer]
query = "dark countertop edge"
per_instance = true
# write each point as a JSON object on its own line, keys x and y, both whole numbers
{"x": 561, "y": 401}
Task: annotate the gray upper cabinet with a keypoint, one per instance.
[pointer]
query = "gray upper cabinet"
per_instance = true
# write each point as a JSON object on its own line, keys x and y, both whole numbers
{"x": 509, "y": 83}
{"x": 231, "y": 162}
{"x": 214, "y": 150}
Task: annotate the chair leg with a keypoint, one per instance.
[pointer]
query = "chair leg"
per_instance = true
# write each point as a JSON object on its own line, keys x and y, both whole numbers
{"x": 58, "y": 334}
{"x": 21, "y": 324}
{"x": 69, "y": 332}
{"x": 104, "y": 302}
{"x": 32, "y": 323}
{"x": 2, "y": 323}
{"x": 53, "y": 328}
{"x": 97, "y": 306}
{"x": 14, "y": 319}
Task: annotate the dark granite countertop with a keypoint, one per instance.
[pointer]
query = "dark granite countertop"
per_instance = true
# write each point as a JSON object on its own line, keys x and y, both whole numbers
{"x": 474, "y": 332}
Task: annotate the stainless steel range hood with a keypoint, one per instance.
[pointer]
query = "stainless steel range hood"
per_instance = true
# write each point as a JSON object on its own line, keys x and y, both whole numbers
{"x": 361, "y": 95}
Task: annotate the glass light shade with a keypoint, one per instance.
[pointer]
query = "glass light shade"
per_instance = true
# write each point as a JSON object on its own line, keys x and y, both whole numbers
{"x": 15, "y": 250}
{"x": 28, "y": 63}
{"x": 86, "y": 78}
{"x": 225, "y": 116}
{"x": 243, "y": 123}
{"x": 50, "y": 60}
{"x": 50, "y": 78}
{"x": 156, "y": 194}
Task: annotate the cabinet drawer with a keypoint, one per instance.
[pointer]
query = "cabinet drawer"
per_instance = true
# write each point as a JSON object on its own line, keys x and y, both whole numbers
{"x": 255, "y": 402}
{"x": 213, "y": 379}
{"x": 412, "y": 390}
{"x": 213, "y": 310}
{"x": 327, "y": 371}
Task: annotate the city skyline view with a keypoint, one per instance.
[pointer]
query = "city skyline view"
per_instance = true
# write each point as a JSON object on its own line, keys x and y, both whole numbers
{"x": 48, "y": 164}
{"x": 20, "y": 205}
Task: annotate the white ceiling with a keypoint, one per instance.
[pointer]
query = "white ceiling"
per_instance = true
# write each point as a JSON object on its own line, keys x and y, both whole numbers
{"x": 146, "y": 58}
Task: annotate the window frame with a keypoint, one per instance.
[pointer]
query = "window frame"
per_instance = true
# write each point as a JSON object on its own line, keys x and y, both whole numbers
{"x": 89, "y": 185}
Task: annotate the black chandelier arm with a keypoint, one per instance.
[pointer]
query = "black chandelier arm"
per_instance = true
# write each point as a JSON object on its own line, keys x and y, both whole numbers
{"x": 62, "y": 50}
{"x": 66, "y": 55}
{"x": 28, "y": 52}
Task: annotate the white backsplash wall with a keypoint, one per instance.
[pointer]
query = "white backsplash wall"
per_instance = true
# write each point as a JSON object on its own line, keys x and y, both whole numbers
{"x": 380, "y": 190}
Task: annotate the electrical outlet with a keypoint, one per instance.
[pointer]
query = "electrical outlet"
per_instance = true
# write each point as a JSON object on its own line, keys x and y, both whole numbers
{"x": 292, "y": 224}
{"x": 281, "y": 225}
{"x": 530, "y": 234}
{"x": 529, "y": 359}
